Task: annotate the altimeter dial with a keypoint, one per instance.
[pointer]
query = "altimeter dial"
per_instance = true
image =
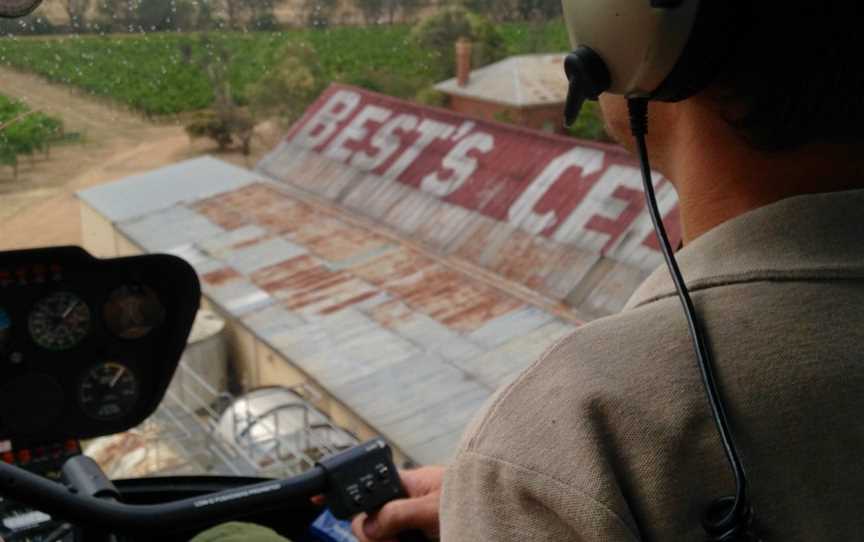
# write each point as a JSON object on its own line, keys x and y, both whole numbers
{"x": 108, "y": 391}
{"x": 59, "y": 321}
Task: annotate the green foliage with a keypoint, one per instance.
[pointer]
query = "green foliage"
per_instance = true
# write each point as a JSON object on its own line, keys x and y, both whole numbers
{"x": 287, "y": 89}
{"x": 439, "y": 32}
{"x": 535, "y": 37}
{"x": 589, "y": 124}
{"x": 430, "y": 96}
{"x": 161, "y": 15}
{"x": 372, "y": 10}
{"x": 149, "y": 72}
{"x": 30, "y": 25}
{"x": 319, "y": 13}
{"x": 223, "y": 127}
{"x": 23, "y": 132}
{"x": 157, "y": 73}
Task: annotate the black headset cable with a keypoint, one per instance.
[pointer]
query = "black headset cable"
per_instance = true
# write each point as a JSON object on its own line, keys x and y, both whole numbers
{"x": 728, "y": 519}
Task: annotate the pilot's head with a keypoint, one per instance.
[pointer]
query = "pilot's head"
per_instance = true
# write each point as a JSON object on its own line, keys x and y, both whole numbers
{"x": 783, "y": 74}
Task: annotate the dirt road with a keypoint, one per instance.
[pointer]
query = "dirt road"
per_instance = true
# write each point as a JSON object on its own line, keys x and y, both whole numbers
{"x": 40, "y": 208}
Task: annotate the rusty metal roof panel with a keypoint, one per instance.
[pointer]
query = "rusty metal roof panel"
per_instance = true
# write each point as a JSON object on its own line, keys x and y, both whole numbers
{"x": 169, "y": 229}
{"x": 272, "y": 321}
{"x": 534, "y": 208}
{"x": 505, "y": 328}
{"x": 237, "y": 296}
{"x": 404, "y": 390}
{"x": 430, "y": 263}
{"x": 201, "y": 262}
{"x": 370, "y": 317}
{"x": 431, "y": 335}
{"x": 496, "y": 367}
{"x": 222, "y": 245}
{"x": 448, "y": 416}
{"x": 254, "y": 257}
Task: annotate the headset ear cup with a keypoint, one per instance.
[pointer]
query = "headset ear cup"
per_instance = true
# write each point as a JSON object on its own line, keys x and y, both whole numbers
{"x": 709, "y": 47}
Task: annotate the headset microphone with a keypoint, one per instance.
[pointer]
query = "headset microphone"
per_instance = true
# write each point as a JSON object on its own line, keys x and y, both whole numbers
{"x": 662, "y": 50}
{"x": 11, "y": 9}
{"x": 588, "y": 78}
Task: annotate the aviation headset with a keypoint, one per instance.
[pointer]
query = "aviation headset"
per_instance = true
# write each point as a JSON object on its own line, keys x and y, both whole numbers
{"x": 665, "y": 50}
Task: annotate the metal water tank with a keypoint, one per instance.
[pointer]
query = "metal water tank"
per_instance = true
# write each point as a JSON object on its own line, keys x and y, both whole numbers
{"x": 276, "y": 424}
{"x": 203, "y": 371}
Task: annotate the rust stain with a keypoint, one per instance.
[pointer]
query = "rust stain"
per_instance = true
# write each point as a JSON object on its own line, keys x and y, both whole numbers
{"x": 393, "y": 266}
{"x": 345, "y": 304}
{"x": 221, "y": 276}
{"x": 335, "y": 241}
{"x": 220, "y": 215}
{"x": 392, "y": 312}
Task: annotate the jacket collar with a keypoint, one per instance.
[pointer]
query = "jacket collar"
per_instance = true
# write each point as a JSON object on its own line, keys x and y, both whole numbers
{"x": 812, "y": 237}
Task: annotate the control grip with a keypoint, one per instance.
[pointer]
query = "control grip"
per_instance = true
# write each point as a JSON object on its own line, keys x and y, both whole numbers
{"x": 363, "y": 479}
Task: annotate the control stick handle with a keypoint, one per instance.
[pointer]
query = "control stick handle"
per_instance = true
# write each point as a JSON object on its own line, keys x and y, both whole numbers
{"x": 361, "y": 479}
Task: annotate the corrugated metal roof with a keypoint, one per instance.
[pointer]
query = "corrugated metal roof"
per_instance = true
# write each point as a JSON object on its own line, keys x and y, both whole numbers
{"x": 392, "y": 332}
{"x": 554, "y": 214}
{"x": 141, "y": 194}
{"x": 518, "y": 81}
{"x": 411, "y": 285}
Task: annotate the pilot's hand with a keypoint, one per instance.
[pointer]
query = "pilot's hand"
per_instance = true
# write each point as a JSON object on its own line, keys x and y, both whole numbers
{"x": 418, "y": 512}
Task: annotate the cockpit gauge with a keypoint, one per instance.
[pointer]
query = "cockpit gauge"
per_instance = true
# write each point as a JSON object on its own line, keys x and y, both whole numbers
{"x": 59, "y": 321}
{"x": 108, "y": 391}
{"x": 133, "y": 311}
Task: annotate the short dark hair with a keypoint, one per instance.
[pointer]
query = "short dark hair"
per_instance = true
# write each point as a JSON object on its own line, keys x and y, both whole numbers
{"x": 796, "y": 73}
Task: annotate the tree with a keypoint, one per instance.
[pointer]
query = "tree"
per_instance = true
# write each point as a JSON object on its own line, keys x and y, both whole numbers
{"x": 234, "y": 12}
{"x": 372, "y": 10}
{"x": 439, "y": 32}
{"x": 161, "y": 15}
{"x": 319, "y": 12}
{"x": 223, "y": 127}
{"x": 225, "y": 121}
{"x": 117, "y": 14}
{"x": 405, "y": 9}
{"x": 287, "y": 89}
{"x": 538, "y": 9}
{"x": 24, "y": 132}
{"x": 263, "y": 14}
{"x": 77, "y": 12}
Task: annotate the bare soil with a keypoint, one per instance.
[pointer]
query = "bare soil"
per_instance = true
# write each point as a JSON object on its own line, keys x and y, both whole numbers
{"x": 39, "y": 208}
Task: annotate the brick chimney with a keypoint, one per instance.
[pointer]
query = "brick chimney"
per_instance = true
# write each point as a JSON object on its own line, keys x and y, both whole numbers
{"x": 463, "y": 61}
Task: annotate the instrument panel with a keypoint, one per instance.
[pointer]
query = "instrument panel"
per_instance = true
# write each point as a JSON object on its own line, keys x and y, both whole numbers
{"x": 88, "y": 346}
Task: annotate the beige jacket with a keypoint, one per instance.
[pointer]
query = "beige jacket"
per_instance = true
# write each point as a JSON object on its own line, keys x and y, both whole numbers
{"x": 609, "y": 435}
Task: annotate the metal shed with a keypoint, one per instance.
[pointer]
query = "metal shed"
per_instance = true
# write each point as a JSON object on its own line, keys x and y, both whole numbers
{"x": 400, "y": 290}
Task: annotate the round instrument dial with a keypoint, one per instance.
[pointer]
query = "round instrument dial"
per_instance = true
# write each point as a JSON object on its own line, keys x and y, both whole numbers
{"x": 59, "y": 321}
{"x": 133, "y": 311}
{"x": 108, "y": 391}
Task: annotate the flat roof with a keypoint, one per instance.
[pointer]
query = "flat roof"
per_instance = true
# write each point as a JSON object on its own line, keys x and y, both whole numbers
{"x": 518, "y": 81}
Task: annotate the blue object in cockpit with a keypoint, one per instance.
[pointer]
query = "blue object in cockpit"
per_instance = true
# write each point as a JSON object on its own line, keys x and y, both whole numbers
{"x": 5, "y": 325}
{"x": 329, "y": 529}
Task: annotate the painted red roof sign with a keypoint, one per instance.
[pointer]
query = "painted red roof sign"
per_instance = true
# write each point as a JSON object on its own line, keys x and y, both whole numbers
{"x": 561, "y": 191}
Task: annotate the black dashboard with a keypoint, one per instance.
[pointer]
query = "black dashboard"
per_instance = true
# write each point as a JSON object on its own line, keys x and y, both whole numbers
{"x": 88, "y": 346}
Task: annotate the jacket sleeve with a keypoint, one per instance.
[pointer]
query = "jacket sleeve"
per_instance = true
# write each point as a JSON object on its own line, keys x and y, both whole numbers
{"x": 488, "y": 499}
